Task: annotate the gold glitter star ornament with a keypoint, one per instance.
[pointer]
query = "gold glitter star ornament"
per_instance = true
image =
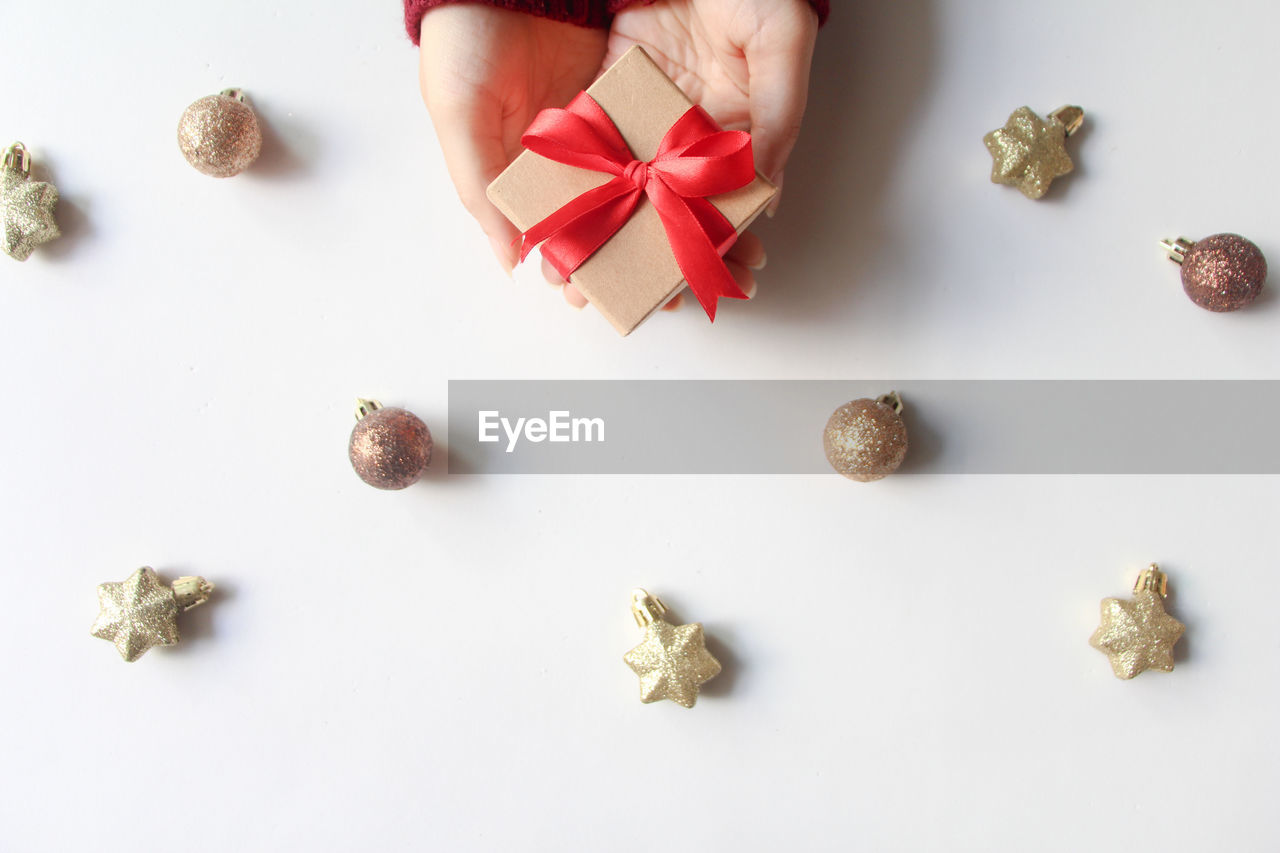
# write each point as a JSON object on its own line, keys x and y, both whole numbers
{"x": 1136, "y": 634}
{"x": 1029, "y": 152}
{"x": 26, "y": 205}
{"x": 141, "y": 612}
{"x": 672, "y": 661}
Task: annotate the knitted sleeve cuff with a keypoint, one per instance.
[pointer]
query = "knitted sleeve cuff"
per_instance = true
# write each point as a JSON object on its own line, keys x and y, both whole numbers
{"x": 584, "y": 13}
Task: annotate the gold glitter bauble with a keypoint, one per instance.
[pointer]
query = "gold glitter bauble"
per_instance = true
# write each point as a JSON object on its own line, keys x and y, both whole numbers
{"x": 672, "y": 661}
{"x": 140, "y": 612}
{"x": 1029, "y": 152}
{"x": 1137, "y": 634}
{"x": 219, "y": 135}
{"x": 25, "y": 205}
{"x": 390, "y": 448}
{"x": 866, "y": 440}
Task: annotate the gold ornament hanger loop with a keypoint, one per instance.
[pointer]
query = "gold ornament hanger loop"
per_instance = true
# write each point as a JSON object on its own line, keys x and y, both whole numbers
{"x": 1072, "y": 118}
{"x": 1178, "y": 249}
{"x": 16, "y": 156}
{"x": 893, "y": 400}
{"x": 1151, "y": 579}
{"x": 646, "y": 608}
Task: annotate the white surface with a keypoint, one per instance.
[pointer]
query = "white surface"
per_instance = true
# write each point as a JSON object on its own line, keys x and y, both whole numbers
{"x": 906, "y": 665}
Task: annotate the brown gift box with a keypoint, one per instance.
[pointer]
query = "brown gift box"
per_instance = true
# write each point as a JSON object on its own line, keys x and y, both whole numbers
{"x": 634, "y": 273}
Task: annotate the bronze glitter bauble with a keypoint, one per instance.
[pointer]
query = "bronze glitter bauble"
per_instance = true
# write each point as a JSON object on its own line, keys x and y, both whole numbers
{"x": 390, "y": 448}
{"x": 219, "y": 135}
{"x": 1223, "y": 272}
{"x": 866, "y": 440}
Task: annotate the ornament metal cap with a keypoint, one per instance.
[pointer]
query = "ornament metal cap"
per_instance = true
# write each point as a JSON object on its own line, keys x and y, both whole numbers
{"x": 1070, "y": 117}
{"x": 646, "y": 608}
{"x": 1220, "y": 273}
{"x": 18, "y": 158}
{"x": 140, "y": 612}
{"x": 1178, "y": 249}
{"x": 190, "y": 592}
{"x": 1151, "y": 579}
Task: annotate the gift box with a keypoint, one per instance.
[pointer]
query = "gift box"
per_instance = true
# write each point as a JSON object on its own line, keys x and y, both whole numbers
{"x": 633, "y": 192}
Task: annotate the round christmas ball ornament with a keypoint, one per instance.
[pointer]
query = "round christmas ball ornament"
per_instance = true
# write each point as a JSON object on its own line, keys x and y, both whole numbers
{"x": 1220, "y": 273}
{"x": 390, "y": 448}
{"x": 219, "y": 135}
{"x": 866, "y": 440}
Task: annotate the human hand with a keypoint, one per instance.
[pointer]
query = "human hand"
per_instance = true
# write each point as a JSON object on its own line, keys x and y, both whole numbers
{"x": 746, "y": 62}
{"x": 485, "y": 73}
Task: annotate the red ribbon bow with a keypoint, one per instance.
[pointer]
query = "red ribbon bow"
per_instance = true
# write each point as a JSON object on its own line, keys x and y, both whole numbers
{"x": 696, "y": 159}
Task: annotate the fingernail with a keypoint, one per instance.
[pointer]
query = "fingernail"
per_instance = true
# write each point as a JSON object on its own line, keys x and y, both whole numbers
{"x": 503, "y": 254}
{"x": 772, "y": 210}
{"x": 759, "y": 265}
{"x": 751, "y": 291}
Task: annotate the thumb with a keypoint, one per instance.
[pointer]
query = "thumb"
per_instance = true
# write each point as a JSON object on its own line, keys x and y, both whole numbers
{"x": 778, "y": 57}
{"x": 471, "y": 140}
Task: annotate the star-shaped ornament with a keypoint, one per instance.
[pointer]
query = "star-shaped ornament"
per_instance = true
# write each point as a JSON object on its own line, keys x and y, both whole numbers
{"x": 1137, "y": 634}
{"x": 26, "y": 206}
{"x": 140, "y": 612}
{"x": 672, "y": 661}
{"x": 1029, "y": 152}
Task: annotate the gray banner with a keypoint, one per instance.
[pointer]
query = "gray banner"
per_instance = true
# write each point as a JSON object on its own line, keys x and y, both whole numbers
{"x": 775, "y": 427}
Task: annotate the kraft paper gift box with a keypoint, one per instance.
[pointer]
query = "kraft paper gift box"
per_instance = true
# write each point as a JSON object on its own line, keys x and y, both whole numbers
{"x": 634, "y": 273}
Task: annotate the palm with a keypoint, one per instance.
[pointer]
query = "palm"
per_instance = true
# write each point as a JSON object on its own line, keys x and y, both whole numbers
{"x": 541, "y": 65}
{"x": 744, "y": 61}
{"x": 694, "y": 44}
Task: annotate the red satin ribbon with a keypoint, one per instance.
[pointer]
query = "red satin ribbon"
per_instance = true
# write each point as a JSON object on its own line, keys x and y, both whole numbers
{"x": 696, "y": 159}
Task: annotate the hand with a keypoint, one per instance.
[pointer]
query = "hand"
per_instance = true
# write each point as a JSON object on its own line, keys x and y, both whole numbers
{"x": 485, "y": 73}
{"x": 746, "y": 62}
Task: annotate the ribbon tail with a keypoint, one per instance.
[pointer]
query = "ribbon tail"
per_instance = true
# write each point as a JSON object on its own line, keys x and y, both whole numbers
{"x": 572, "y": 233}
{"x": 697, "y": 252}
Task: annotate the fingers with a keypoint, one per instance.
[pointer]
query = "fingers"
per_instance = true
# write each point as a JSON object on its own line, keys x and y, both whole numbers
{"x": 778, "y": 58}
{"x": 471, "y": 140}
{"x": 742, "y": 276}
{"x": 748, "y": 251}
{"x": 772, "y": 209}
{"x": 551, "y": 274}
{"x": 574, "y": 297}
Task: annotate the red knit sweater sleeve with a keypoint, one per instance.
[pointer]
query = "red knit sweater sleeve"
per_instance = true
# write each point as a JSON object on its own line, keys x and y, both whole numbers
{"x": 584, "y": 13}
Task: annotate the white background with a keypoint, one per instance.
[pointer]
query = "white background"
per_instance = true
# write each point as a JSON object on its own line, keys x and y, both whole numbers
{"x": 906, "y": 665}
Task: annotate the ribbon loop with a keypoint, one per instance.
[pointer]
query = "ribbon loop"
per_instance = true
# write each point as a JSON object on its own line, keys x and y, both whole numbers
{"x": 695, "y": 160}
